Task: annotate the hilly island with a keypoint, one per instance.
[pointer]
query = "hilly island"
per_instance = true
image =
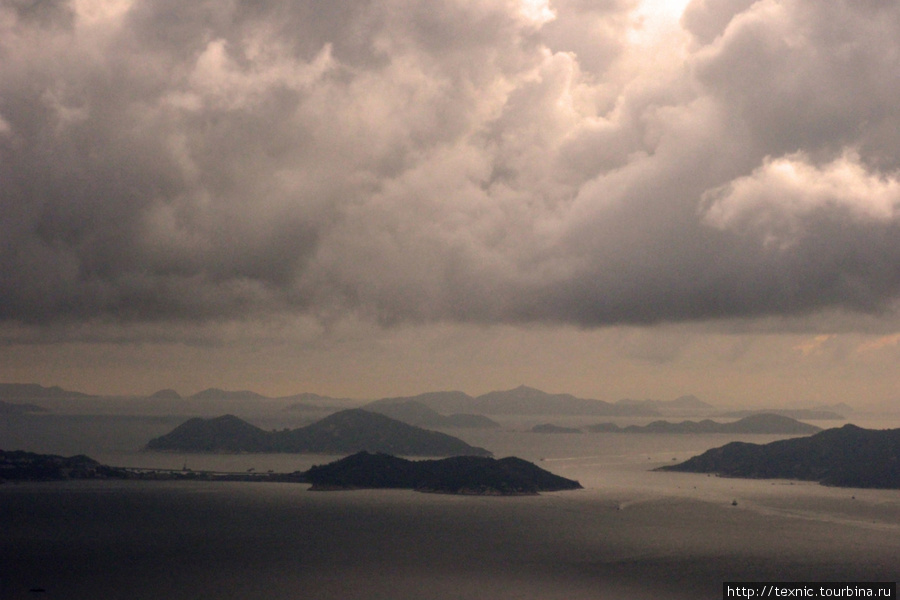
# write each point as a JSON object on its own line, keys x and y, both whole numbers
{"x": 343, "y": 432}
{"x": 453, "y": 475}
{"x": 468, "y": 475}
{"x": 848, "y": 456}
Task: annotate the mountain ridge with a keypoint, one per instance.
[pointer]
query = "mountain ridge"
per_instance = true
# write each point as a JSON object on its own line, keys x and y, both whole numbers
{"x": 346, "y": 431}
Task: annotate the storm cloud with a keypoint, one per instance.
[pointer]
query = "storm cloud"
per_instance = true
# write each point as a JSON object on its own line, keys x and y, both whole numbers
{"x": 476, "y": 161}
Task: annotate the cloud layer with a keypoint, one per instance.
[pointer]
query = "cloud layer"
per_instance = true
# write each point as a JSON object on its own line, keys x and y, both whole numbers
{"x": 465, "y": 160}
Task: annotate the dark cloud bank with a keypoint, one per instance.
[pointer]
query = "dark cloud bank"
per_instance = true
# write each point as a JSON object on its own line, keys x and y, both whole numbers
{"x": 415, "y": 161}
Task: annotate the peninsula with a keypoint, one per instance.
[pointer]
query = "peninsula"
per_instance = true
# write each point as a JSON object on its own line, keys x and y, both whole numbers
{"x": 848, "y": 456}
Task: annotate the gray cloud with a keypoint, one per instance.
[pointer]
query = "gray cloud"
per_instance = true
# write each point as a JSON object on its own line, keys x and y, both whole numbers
{"x": 414, "y": 161}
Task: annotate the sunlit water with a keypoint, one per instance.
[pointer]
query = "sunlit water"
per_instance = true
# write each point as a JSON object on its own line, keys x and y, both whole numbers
{"x": 632, "y": 533}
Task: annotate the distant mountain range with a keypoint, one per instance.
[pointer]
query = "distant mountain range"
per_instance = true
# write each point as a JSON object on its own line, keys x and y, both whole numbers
{"x": 417, "y": 413}
{"x": 33, "y": 391}
{"x": 757, "y": 423}
{"x": 848, "y": 456}
{"x": 218, "y": 394}
{"x": 456, "y": 475}
{"x": 522, "y": 400}
{"x": 343, "y": 432}
{"x": 814, "y": 414}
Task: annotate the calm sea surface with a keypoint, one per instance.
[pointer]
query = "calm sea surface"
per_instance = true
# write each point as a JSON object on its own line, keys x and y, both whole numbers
{"x": 631, "y": 533}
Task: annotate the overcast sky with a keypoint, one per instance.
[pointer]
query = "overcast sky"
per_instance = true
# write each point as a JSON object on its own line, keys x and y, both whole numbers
{"x": 383, "y": 197}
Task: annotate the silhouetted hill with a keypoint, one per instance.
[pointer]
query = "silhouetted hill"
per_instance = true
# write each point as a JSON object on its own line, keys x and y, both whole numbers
{"x": 16, "y": 391}
{"x": 345, "y": 431}
{"x": 848, "y": 457}
{"x": 18, "y": 465}
{"x": 525, "y": 400}
{"x": 551, "y": 428}
{"x": 417, "y": 413}
{"x": 13, "y": 408}
{"x": 167, "y": 394}
{"x": 522, "y": 400}
{"x": 763, "y": 423}
{"x": 355, "y": 429}
{"x": 815, "y": 414}
{"x": 456, "y": 475}
{"x": 218, "y": 394}
{"x": 227, "y": 433}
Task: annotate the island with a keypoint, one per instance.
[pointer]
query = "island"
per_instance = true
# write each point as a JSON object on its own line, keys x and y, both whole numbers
{"x": 758, "y": 423}
{"x": 343, "y": 432}
{"x": 551, "y": 428}
{"x": 522, "y": 400}
{"x": 454, "y": 475}
{"x": 815, "y": 414}
{"x": 848, "y": 456}
{"x": 466, "y": 475}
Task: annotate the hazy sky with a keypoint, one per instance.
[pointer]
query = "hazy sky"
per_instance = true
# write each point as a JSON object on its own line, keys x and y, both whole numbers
{"x": 383, "y": 197}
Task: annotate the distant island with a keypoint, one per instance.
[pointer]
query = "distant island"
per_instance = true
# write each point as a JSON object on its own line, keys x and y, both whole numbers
{"x": 756, "y": 423}
{"x": 848, "y": 456}
{"x": 17, "y": 408}
{"x": 551, "y": 428}
{"x": 523, "y": 400}
{"x": 456, "y": 475}
{"x": 343, "y": 432}
{"x": 416, "y": 413}
{"x": 22, "y": 391}
{"x": 816, "y": 414}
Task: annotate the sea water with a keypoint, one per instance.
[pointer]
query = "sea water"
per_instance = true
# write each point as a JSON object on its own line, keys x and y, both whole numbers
{"x": 632, "y": 533}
